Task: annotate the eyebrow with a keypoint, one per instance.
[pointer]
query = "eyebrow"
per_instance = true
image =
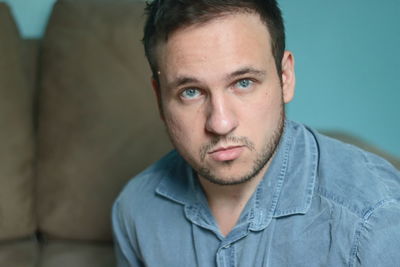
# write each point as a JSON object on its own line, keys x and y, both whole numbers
{"x": 184, "y": 80}
{"x": 244, "y": 71}
{"x": 180, "y": 81}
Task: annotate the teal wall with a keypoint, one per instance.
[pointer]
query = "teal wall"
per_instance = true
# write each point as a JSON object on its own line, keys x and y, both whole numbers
{"x": 31, "y": 15}
{"x": 348, "y": 67}
{"x": 347, "y": 63}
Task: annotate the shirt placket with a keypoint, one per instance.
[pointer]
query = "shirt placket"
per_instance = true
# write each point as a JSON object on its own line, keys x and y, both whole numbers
{"x": 226, "y": 253}
{"x": 226, "y": 256}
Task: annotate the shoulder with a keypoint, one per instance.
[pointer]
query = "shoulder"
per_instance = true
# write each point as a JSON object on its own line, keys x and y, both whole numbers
{"x": 377, "y": 240}
{"x": 353, "y": 178}
{"x": 140, "y": 191}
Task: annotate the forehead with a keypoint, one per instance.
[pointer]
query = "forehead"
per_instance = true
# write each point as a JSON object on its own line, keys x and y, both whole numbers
{"x": 230, "y": 34}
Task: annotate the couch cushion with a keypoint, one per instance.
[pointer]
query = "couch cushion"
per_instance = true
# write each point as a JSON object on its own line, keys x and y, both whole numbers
{"x": 16, "y": 135}
{"x": 19, "y": 253}
{"x": 98, "y": 119}
{"x": 77, "y": 254}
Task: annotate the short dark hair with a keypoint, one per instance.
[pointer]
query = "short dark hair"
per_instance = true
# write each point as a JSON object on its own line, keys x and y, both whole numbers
{"x": 166, "y": 16}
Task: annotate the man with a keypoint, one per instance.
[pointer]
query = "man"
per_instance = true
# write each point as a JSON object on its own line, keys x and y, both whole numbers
{"x": 245, "y": 186}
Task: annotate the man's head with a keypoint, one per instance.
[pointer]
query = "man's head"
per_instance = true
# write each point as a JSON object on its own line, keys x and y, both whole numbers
{"x": 221, "y": 93}
{"x": 167, "y": 16}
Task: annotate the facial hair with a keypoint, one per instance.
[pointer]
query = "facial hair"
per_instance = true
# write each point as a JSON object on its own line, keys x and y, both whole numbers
{"x": 259, "y": 163}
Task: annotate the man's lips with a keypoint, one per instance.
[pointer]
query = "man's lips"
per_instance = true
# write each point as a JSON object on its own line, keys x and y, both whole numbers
{"x": 226, "y": 153}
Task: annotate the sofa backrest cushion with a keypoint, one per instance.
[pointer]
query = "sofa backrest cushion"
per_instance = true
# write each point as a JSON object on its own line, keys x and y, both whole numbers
{"x": 16, "y": 135}
{"x": 98, "y": 118}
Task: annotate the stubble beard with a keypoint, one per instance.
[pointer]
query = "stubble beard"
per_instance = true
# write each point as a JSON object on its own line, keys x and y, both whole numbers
{"x": 262, "y": 159}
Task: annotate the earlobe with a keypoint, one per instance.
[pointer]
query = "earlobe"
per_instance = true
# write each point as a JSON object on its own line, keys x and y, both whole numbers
{"x": 157, "y": 92}
{"x": 288, "y": 77}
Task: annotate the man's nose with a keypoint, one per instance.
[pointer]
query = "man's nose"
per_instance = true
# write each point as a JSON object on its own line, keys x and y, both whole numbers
{"x": 221, "y": 117}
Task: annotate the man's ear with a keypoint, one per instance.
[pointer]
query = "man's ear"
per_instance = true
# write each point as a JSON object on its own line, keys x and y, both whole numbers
{"x": 288, "y": 77}
{"x": 156, "y": 89}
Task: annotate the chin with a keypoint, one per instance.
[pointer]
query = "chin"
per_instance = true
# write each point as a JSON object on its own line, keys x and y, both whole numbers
{"x": 227, "y": 178}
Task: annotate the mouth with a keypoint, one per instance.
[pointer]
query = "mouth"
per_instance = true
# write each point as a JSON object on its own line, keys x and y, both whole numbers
{"x": 226, "y": 153}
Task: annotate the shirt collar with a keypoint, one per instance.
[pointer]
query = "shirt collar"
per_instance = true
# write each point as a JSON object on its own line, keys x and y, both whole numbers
{"x": 288, "y": 184}
{"x": 286, "y": 189}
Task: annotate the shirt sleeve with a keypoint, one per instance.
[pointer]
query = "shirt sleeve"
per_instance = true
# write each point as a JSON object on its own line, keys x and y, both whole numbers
{"x": 124, "y": 251}
{"x": 379, "y": 237}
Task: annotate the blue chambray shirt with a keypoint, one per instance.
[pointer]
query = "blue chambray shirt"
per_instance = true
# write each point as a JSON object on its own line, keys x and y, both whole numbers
{"x": 321, "y": 203}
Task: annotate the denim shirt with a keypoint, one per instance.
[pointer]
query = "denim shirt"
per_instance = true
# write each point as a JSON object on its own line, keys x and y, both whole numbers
{"x": 320, "y": 203}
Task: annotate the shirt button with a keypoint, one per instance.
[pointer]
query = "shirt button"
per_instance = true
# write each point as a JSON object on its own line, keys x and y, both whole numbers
{"x": 227, "y": 246}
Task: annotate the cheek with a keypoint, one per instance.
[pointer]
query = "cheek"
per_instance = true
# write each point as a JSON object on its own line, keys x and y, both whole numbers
{"x": 262, "y": 117}
{"x": 174, "y": 127}
{"x": 182, "y": 130}
{"x": 264, "y": 108}
{"x": 184, "y": 121}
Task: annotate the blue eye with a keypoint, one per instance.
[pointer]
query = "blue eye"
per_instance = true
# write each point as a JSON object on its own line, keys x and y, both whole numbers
{"x": 190, "y": 93}
{"x": 244, "y": 84}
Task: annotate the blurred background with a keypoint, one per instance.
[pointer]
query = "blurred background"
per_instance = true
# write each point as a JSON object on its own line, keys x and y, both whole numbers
{"x": 347, "y": 63}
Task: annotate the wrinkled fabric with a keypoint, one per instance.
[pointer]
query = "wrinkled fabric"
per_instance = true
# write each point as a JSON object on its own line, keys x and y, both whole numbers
{"x": 320, "y": 203}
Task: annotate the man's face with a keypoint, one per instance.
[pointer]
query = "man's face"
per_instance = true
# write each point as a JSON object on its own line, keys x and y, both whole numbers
{"x": 221, "y": 97}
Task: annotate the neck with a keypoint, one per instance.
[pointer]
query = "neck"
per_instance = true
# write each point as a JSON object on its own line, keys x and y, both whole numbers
{"x": 228, "y": 201}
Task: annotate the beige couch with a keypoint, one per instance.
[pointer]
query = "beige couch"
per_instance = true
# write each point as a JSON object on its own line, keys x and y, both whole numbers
{"x": 77, "y": 119}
